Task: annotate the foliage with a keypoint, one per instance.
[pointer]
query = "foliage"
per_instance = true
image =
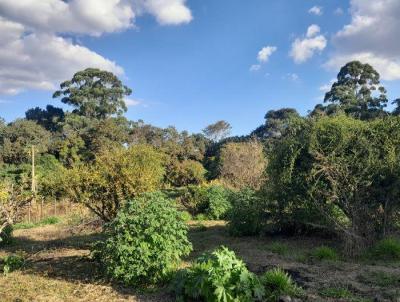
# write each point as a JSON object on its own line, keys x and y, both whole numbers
{"x": 186, "y": 172}
{"x": 218, "y": 276}
{"x": 246, "y": 216}
{"x": 324, "y": 253}
{"x": 6, "y": 235}
{"x": 12, "y": 262}
{"x": 186, "y": 216}
{"x": 13, "y": 200}
{"x": 49, "y": 118}
{"x": 278, "y": 283}
{"x": 217, "y": 131}
{"x": 353, "y": 92}
{"x": 94, "y": 93}
{"x": 387, "y": 249}
{"x": 17, "y": 139}
{"x": 242, "y": 165}
{"x": 116, "y": 175}
{"x": 145, "y": 241}
{"x": 337, "y": 174}
{"x": 218, "y": 202}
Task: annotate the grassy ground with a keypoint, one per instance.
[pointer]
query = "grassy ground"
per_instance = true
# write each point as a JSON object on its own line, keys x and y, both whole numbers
{"x": 59, "y": 267}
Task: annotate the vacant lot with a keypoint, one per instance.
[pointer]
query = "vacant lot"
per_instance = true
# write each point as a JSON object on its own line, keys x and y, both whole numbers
{"x": 59, "y": 267}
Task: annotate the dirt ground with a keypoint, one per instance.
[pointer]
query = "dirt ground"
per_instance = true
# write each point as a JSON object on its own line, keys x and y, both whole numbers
{"x": 59, "y": 267}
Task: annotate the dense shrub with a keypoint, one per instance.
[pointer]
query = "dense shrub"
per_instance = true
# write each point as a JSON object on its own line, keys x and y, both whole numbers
{"x": 218, "y": 276}
{"x": 116, "y": 176}
{"x": 209, "y": 200}
{"x": 242, "y": 164}
{"x": 246, "y": 216}
{"x": 218, "y": 202}
{"x": 186, "y": 172}
{"x": 278, "y": 283}
{"x": 6, "y": 235}
{"x": 145, "y": 241}
{"x": 337, "y": 173}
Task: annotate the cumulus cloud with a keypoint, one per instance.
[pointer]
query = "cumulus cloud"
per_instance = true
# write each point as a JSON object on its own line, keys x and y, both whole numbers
{"x": 370, "y": 37}
{"x": 304, "y": 48}
{"x": 34, "y": 53}
{"x": 264, "y": 54}
{"x": 316, "y": 10}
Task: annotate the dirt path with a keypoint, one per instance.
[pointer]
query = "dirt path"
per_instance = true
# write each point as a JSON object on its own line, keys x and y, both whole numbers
{"x": 60, "y": 269}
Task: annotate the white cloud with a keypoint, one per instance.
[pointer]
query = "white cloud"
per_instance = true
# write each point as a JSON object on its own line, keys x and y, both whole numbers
{"x": 35, "y": 55}
{"x": 304, "y": 48}
{"x": 264, "y": 54}
{"x": 316, "y": 10}
{"x": 131, "y": 102}
{"x": 255, "y": 67}
{"x": 370, "y": 37}
{"x": 312, "y": 31}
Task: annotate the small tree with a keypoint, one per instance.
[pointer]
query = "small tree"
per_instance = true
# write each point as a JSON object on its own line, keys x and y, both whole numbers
{"x": 186, "y": 172}
{"x": 242, "y": 164}
{"x": 13, "y": 201}
{"x": 116, "y": 176}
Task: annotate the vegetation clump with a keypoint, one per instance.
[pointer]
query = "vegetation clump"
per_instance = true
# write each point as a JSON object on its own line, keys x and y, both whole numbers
{"x": 218, "y": 276}
{"x": 324, "y": 253}
{"x": 146, "y": 241}
{"x": 246, "y": 216}
{"x": 277, "y": 283}
{"x": 12, "y": 262}
{"x": 387, "y": 249}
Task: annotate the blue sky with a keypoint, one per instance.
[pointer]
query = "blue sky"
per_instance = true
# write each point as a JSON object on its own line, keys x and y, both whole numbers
{"x": 194, "y": 67}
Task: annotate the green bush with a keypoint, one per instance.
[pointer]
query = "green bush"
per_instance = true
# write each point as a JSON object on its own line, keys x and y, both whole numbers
{"x": 246, "y": 215}
{"x": 218, "y": 276}
{"x": 145, "y": 241}
{"x": 324, "y": 253}
{"x": 12, "y": 263}
{"x": 186, "y": 216}
{"x": 194, "y": 199}
{"x": 387, "y": 249}
{"x": 218, "y": 202}
{"x": 277, "y": 283}
{"x": 6, "y": 235}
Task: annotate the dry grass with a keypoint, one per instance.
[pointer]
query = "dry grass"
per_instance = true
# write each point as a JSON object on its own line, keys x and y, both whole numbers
{"x": 59, "y": 267}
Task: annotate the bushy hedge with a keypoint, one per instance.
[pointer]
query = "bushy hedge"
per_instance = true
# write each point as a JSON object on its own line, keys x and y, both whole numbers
{"x": 246, "y": 216}
{"x": 145, "y": 241}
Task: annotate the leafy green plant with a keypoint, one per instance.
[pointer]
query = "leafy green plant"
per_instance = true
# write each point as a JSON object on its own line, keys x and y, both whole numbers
{"x": 277, "y": 283}
{"x": 201, "y": 217}
{"x": 218, "y": 276}
{"x": 218, "y": 202}
{"x": 6, "y": 235}
{"x": 246, "y": 215}
{"x": 145, "y": 241}
{"x": 324, "y": 253}
{"x": 186, "y": 216}
{"x": 387, "y": 249}
{"x": 12, "y": 262}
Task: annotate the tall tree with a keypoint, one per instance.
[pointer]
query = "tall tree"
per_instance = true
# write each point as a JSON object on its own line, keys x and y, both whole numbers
{"x": 94, "y": 93}
{"x": 49, "y": 118}
{"x": 276, "y": 122}
{"x": 217, "y": 131}
{"x": 357, "y": 92}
